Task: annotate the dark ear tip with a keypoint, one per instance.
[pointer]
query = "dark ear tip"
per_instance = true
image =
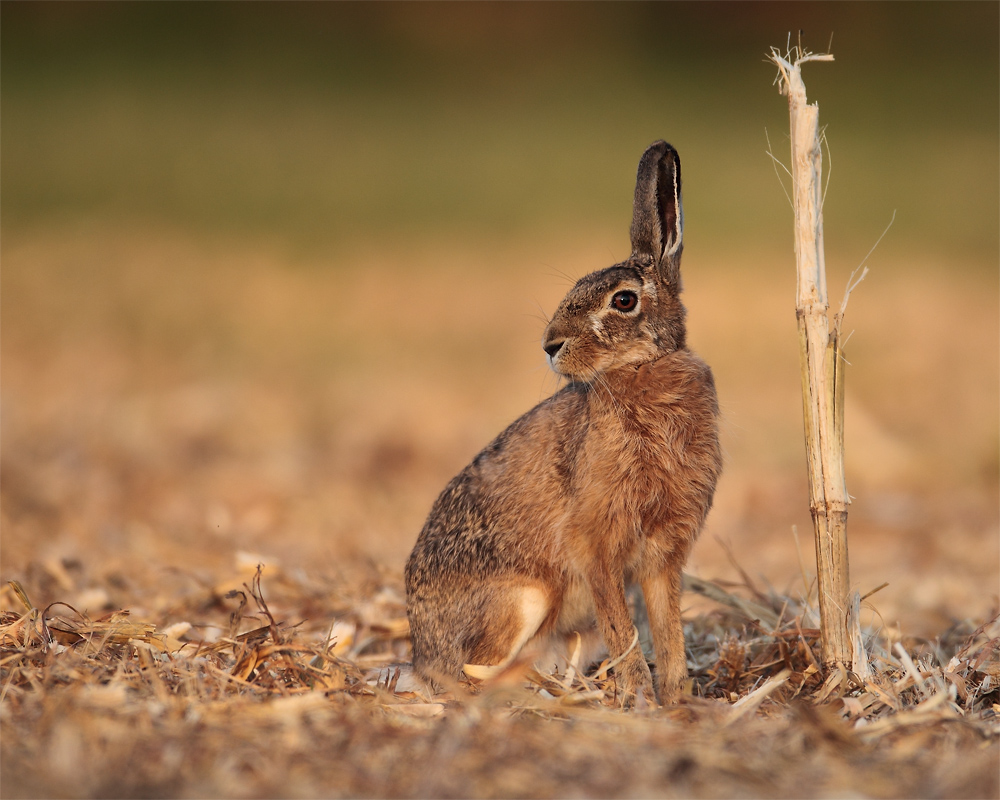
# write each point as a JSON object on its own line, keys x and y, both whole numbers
{"x": 660, "y": 151}
{"x": 661, "y": 148}
{"x": 656, "y": 151}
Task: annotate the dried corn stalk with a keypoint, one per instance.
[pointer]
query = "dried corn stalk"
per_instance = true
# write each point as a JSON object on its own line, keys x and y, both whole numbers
{"x": 822, "y": 365}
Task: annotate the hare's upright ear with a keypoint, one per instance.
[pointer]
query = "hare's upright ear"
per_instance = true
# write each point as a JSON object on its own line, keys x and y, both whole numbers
{"x": 658, "y": 217}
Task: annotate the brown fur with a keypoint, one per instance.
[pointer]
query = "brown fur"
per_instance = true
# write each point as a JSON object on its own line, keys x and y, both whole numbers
{"x": 606, "y": 483}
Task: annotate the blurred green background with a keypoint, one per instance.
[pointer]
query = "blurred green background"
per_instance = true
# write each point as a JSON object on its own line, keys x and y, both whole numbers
{"x": 320, "y": 123}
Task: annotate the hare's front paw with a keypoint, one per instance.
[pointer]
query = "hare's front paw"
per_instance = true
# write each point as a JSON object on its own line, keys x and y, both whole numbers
{"x": 634, "y": 680}
{"x": 670, "y": 681}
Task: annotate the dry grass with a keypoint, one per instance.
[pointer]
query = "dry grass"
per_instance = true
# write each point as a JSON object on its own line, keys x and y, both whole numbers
{"x": 276, "y": 708}
{"x": 177, "y": 412}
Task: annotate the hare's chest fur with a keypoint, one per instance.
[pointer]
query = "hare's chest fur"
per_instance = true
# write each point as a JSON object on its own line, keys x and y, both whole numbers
{"x": 645, "y": 474}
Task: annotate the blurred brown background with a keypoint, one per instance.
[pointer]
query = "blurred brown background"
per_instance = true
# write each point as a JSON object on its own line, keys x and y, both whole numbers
{"x": 272, "y": 273}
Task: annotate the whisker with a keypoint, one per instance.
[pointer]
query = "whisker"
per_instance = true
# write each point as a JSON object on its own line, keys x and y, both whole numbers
{"x": 558, "y": 273}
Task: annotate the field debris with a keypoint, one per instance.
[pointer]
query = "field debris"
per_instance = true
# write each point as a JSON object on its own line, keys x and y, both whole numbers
{"x": 323, "y": 704}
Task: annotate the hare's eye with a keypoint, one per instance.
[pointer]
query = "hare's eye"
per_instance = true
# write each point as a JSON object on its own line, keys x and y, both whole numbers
{"x": 625, "y": 301}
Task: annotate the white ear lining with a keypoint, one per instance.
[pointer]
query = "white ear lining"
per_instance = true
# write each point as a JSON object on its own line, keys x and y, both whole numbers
{"x": 678, "y": 217}
{"x": 678, "y": 232}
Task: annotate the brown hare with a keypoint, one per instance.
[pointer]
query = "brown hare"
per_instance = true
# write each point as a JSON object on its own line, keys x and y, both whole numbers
{"x": 605, "y": 484}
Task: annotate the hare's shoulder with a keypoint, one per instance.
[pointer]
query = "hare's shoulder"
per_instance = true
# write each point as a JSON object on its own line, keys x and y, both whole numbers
{"x": 540, "y": 444}
{"x": 482, "y": 521}
{"x": 536, "y": 450}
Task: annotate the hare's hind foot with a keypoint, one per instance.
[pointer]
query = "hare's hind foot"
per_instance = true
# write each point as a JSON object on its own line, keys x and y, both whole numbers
{"x": 526, "y": 609}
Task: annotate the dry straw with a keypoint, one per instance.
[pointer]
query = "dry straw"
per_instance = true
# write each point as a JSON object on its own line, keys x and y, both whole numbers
{"x": 822, "y": 363}
{"x": 117, "y": 706}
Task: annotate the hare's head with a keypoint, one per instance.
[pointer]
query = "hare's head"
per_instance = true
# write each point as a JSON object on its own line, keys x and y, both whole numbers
{"x": 629, "y": 313}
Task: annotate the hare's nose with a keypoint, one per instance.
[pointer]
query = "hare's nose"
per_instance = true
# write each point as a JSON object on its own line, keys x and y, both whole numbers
{"x": 553, "y": 347}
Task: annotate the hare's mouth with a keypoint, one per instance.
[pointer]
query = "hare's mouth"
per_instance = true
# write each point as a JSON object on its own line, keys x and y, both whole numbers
{"x": 562, "y": 362}
{"x": 558, "y": 368}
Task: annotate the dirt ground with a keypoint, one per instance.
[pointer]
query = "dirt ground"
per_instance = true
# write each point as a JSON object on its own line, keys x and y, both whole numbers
{"x": 178, "y": 409}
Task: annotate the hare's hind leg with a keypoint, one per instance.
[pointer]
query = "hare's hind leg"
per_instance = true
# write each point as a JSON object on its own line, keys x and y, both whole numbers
{"x": 483, "y": 625}
{"x": 438, "y": 651}
{"x": 513, "y": 621}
